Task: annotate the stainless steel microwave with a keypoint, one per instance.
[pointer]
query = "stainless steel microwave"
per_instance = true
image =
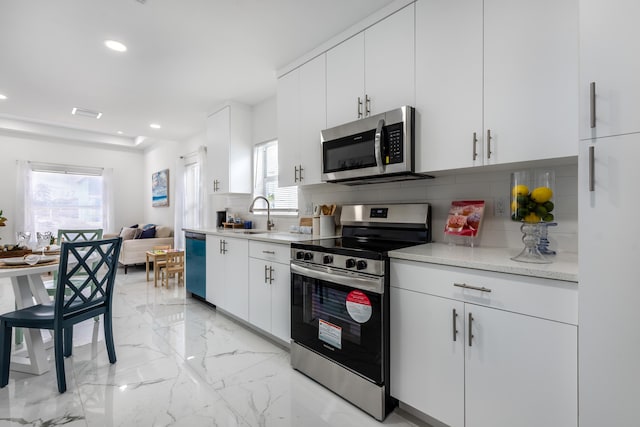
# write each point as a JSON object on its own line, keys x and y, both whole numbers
{"x": 378, "y": 148}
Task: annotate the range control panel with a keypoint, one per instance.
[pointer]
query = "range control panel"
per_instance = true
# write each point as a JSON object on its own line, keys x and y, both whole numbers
{"x": 344, "y": 262}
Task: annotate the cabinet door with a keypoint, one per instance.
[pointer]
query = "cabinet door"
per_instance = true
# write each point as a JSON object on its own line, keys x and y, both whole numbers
{"x": 259, "y": 294}
{"x": 609, "y": 291}
{"x": 520, "y": 370}
{"x": 288, "y": 101}
{"x": 312, "y": 119}
{"x": 609, "y": 42}
{"x": 449, "y": 84}
{"x": 215, "y": 271}
{"x": 389, "y": 58}
{"x": 218, "y": 135}
{"x": 530, "y": 74}
{"x": 345, "y": 81}
{"x": 281, "y": 301}
{"x": 236, "y": 278}
{"x": 427, "y": 364}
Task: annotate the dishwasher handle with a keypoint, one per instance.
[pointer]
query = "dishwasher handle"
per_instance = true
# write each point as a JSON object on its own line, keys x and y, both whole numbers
{"x": 194, "y": 236}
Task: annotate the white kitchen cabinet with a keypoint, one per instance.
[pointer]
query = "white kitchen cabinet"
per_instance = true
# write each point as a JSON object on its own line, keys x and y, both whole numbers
{"x": 301, "y": 116}
{"x": 520, "y": 366}
{"x": 373, "y": 71}
{"x": 449, "y": 130}
{"x": 495, "y": 82}
{"x": 426, "y": 362}
{"x": 609, "y": 42}
{"x": 229, "y": 150}
{"x": 270, "y": 288}
{"x": 227, "y": 274}
{"x": 609, "y": 291}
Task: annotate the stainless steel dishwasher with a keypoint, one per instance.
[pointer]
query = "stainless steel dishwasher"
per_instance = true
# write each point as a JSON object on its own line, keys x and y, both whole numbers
{"x": 196, "y": 268}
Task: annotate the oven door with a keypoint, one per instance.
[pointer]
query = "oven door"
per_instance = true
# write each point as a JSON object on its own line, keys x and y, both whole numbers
{"x": 342, "y": 321}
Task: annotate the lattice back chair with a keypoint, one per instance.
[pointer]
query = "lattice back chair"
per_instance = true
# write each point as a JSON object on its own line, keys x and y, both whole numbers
{"x": 73, "y": 235}
{"x": 174, "y": 265}
{"x": 87, "y": 274}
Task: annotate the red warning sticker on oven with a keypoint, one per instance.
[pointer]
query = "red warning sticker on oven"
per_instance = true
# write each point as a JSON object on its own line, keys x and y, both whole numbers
{"x": 330, "y": 333}
{"x": 359, "y": 306}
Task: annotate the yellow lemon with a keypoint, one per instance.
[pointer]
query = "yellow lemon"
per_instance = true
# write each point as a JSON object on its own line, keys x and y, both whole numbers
{"x": 514, "y": 205}
{"x": 541, "y": 194}
{"x": 520, "y": 190}
{"x": 532, "y": 217}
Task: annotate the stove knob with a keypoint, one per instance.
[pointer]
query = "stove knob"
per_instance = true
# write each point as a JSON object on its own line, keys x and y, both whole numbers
{"x": 308, "y": 256}
{"x": 361, "y": 265}
{"x": 327, "y": 259}
{"x": 299, "y": 255}
{"x": 351, "y": 263}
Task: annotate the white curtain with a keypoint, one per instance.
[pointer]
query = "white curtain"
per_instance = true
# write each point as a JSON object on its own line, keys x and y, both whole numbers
{"x": 202, "y": 193}
{"x": 178, "y": 214}
{"x": 23, "y": 222}
{"x": 108, "y": 208}
{"x": 190, "y": 194}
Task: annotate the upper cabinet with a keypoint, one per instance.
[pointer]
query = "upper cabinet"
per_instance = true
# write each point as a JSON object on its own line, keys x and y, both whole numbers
{"x": 373, "y": 71}
{"x": 609, "y": 68}
{"x": 495, "y": 82}
{"x": 229, "y": 150}
{"x": 301, "y": 116}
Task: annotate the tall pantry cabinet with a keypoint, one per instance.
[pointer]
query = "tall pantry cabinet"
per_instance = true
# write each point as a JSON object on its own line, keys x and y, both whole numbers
{"x": 609, "y": 340}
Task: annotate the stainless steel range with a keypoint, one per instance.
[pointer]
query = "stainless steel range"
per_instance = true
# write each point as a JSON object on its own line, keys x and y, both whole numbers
{"x": 340, "y": 301}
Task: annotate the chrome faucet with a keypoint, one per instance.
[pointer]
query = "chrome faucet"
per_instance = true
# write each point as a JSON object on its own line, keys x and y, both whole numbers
{"x": 270, "y": 224}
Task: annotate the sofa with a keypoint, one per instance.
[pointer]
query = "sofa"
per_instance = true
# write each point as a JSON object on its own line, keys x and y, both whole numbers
{"x": 136, "y": 241}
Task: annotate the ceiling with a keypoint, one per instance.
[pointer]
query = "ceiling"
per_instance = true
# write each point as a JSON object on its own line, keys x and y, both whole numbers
{"x": 184, "y": 58}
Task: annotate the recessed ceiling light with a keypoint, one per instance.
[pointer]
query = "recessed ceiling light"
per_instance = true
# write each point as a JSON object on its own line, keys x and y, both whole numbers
{"x": 86, "y": 113}
{"x": 3, "y": 97}
{"x": 119, "y": 132}
{"x": 155, "y": 126}
{"x": 114, "y": 45}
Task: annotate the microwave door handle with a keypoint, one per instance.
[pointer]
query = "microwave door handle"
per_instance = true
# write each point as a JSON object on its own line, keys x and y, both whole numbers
{"x": 378, "y": 145}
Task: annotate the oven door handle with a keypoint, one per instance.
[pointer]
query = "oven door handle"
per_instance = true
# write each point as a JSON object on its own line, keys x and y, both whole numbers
{"x": 378, "y": 146}
{"x": 365, "y": 283}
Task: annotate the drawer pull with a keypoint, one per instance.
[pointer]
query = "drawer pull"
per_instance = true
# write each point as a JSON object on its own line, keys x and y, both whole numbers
{"x": 475, "y": 288}
{"x": 269, "y": 252}
{"x": 455, "y": 331}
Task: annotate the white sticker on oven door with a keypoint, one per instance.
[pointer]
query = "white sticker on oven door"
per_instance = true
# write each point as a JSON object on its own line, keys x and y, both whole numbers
{"x": 359, "y": 306}
{"x": 330, "y": 333}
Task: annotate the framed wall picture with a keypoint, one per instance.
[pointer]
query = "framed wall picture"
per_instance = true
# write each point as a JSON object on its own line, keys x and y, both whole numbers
{"x": 160, "y": 188}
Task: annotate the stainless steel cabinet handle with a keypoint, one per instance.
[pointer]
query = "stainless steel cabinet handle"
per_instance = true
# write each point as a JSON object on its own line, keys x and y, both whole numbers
{"x": 367, "y": 105}
{"x": 455, "y": 330}
{"x": 266, "y": 278}
{"x": 269, "y": 252}
{"x": 359, "y": 108}
{"x": 224, "y": 246}
{"x": 301, "y": 177}
{"x": 488, "y": 143}
{"x": 592, "y": 104}
{"x": 220, "y": 245}
{"x": 475, "y": 146}
{"x": 475, "y": 288}
{"x": 592, "y": 168}
{"x": 470, "y": 328}
{"x": 295, "y": 174}
{"x": 270, "y": 275}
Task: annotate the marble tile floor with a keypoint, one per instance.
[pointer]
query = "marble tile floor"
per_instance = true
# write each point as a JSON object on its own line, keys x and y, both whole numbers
{"x": 180, "y": 363}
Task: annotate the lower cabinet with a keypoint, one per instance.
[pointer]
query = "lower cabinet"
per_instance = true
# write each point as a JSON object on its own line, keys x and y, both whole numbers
{"x": 270, "y": 288}
{"x": 227, "y": 274}
{"x": 464, "y": 357}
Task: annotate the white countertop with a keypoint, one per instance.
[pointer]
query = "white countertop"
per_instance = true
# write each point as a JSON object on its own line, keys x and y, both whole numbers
{"x": 563, "y": 267}
{"x": 253, "y": 234}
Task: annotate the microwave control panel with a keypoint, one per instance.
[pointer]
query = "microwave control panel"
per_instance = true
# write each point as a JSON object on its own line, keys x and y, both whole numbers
{"x": 394, "y": 143}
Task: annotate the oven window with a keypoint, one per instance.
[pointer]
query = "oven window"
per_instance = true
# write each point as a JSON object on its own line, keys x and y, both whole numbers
{"x": 340, "y": 322}
{"x": 350, "y": 153}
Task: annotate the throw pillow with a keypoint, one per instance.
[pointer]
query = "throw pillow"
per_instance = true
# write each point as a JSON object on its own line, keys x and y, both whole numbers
{"x": 148, "y": 233}
{"x": 147, "y": 226}
{"x": 128, "y": 233}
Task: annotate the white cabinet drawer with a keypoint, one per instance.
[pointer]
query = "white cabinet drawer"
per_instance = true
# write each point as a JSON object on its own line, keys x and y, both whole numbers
{"x": 270, "y": 251}
{"x": 549, "y": 299}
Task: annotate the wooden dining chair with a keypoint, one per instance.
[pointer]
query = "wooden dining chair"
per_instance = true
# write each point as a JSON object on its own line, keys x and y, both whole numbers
{"x": 86, "y": 277}
{"x": 174, "y": 265}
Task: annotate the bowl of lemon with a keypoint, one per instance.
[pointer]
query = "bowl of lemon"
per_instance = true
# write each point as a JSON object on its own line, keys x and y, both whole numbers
{"x": 532, "y": 204}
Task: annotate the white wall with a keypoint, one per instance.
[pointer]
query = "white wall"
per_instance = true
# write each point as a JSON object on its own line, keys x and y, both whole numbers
{"x": 127, "y": 164}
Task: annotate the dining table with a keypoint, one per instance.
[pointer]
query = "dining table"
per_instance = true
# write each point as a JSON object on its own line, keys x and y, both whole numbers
{"x": 29, "y": 289}
{"x": 155, "y": 256}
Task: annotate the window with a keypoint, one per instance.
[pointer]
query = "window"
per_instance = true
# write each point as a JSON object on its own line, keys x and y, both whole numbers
{"x": 61, "y": 196}
{"x": 265, "y": 166}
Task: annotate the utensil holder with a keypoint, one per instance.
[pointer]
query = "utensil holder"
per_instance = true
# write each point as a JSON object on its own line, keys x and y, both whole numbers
{"x": 327, "y": 225}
